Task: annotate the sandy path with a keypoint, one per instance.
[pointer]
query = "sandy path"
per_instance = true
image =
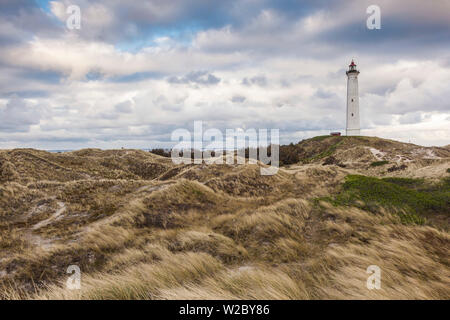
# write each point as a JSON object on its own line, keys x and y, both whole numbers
{"x": 43, "y": 223}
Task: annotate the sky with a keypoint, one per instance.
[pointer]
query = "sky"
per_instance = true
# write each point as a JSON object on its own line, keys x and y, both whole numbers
{"x": 136, "y": 71}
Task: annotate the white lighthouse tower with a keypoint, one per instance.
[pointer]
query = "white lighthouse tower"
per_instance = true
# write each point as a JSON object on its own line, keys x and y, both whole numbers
{"x": 352, "y": 128}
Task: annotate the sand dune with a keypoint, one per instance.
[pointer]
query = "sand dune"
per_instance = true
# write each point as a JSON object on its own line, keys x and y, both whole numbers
{"x": 141, "y": 227}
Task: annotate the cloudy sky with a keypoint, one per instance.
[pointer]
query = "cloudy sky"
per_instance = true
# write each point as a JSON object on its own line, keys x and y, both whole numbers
{"x": 137, "y": 70}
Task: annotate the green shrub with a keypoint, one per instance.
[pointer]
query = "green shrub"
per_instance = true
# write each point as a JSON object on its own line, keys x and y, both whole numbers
{"x": 410, "y": 198}
{"x": 379, "y": 163}
{"x": 328, "y": 152}
{"x": 161, "y": 152}
{"x": 407, "y": 182}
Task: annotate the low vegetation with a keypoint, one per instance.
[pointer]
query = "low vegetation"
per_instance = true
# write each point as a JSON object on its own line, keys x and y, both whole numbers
{"x": 141, "y": 227}
{"x": 379, "y": 163}
{"x": 411, "y": 199}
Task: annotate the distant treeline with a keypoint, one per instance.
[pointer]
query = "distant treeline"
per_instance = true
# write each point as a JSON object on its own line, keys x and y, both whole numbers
{"x": 161, "y": 152}
{"x": 289, "y": 154}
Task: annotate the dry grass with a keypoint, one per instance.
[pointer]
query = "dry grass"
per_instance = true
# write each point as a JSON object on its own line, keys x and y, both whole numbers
{"x": 140, "y": 227}
{"x": 142, "y": 281}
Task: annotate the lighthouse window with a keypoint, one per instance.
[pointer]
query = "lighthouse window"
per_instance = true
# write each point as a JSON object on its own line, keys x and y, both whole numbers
{"x": 352, "y": 100}
{"x": 352, "y": 114}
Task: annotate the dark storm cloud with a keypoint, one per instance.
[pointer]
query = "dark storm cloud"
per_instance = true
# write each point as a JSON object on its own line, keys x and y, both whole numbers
{"x": 401, "y": 36}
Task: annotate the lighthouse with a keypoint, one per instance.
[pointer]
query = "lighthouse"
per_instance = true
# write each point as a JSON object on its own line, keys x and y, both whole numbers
{"x": 352, "y": 128}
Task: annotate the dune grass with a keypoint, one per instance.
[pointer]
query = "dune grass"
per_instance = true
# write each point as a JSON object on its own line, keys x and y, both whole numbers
{"x": 140, "y": 227}
{"x": 338, "y": 245}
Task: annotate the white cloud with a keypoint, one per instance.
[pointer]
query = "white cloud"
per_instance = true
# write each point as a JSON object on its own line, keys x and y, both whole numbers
{"x": 125, "y": 106}
{"x": 18, "y": 115}
{"x": 269, "y": 71}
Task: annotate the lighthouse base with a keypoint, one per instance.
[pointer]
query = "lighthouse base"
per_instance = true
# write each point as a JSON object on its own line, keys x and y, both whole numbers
{"x": 352, "y": 132}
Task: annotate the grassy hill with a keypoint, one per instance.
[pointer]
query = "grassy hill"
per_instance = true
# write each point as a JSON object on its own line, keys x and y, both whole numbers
{"x": 141, "y": 227}
{"x": 357, "y": 149}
